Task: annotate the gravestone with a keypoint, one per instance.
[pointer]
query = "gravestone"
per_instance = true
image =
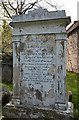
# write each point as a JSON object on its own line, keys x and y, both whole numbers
{"x": 39, "y": 66}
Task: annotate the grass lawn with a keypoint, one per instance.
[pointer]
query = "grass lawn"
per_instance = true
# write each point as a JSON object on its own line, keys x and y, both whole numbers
{"x": 73, "y": 85}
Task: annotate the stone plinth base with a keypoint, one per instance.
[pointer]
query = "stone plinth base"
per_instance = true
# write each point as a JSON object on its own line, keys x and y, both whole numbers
{"x": 22, "y": 111}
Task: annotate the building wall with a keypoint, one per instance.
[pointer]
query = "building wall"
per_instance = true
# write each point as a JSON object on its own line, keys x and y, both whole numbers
{"x": 73, "y": 51}
{"x": 78, "y": 50}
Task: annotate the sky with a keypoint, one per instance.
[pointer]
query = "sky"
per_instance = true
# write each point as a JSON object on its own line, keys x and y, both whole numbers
{"x": 70, "y": 6}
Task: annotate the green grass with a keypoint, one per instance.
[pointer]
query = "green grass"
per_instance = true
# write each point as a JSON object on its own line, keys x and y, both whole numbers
{"x": 73, "y": 85}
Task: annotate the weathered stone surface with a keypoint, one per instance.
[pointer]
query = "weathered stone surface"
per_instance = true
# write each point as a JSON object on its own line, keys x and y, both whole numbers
{"x": 39, "y": 14}
{"x": 73, "y": 48}
{"x": 39, "y": 65}
{"x": 29, "y": 111}
{"x": 38, "y": 69}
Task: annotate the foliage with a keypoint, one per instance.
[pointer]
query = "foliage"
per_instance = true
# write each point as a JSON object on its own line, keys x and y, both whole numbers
{"x": 17, "y": 7}
{"x": 73, "y": 85}
{"x": 6, "y": 35}
{"x": 9, "y": 86}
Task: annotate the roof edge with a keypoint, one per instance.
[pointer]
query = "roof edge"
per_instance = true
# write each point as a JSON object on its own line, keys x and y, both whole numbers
{"x": 73, "y": 26}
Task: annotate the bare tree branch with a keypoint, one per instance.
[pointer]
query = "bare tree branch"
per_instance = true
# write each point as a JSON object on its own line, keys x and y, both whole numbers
{"x": 19, "y": 7}
{"x": 6, "y": 9}
{"x": 12, "y": 7}
{"x": 26, "y": 5}
{"x": 54, "y": 6}
{"x": 30, "y": 6}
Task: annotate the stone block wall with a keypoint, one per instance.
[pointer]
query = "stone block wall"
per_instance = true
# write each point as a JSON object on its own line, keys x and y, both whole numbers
{"x": 73, "y": 51}
{"x": 78, "y": 50}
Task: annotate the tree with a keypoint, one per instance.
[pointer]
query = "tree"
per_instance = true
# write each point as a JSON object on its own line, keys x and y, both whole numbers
{"x": 18, "y": 7}
{"x": 7, "y": 49}
{"x": 6, "y": 39}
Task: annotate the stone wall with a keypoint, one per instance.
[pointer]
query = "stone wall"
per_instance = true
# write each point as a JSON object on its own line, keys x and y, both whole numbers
{"x": 7, "y": 72}
{"x": 78, "y": 51}
{"x": 73, "y": 51}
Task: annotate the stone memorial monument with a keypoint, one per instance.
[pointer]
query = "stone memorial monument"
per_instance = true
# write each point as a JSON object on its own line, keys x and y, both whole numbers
{"x": 39, "y": 66}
